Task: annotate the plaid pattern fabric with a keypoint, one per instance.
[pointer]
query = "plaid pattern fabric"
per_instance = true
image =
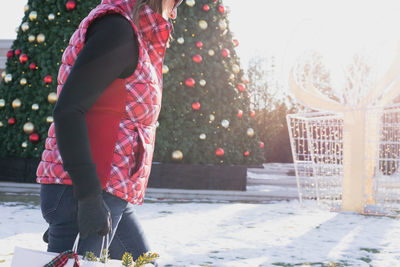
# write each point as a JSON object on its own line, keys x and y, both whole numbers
{"x": 62, "y": 259}
{"x": 133, "y": 150}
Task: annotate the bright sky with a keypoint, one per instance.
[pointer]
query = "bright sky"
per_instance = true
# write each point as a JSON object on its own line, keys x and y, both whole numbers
{"x": 286, "y": 27}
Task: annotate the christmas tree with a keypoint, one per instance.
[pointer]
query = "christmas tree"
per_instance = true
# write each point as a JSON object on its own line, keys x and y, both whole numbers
{"x": 205, "y": 116}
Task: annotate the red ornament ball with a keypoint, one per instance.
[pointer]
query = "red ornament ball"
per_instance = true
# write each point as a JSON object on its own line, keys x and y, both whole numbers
{"x": 214, "y": 1}
{"x": 190, "y": 82}
{"x": 197, "y": 58}
{"x": 261, "y": 144}
{"x": 240, "y": 113}
{"x": 206, "y": 7}
{"x": 32, "y": 66}
{"x": 10, "y": 53}
{"x": 241, "y": 87}
{"x": 34, "y": 137}
{"x": 23, "y": 58}
{"x": 221, "y": 9}
{"x": 219, "y": 152}
{"x": 236, "y": 42}
{"x": 246, "y": 153}
{"x": 199, "y": 44}
{"x": 196, "y": 106}
{"x": 17, "y": 52}
{"x": 245, "y": 81}
{"x": 70, "y": 5}
{"x": 225, "y": 52}
{"x": 48, "y": 79}
{"x": 252, "y": 113}
{"x": 11, "y": 121}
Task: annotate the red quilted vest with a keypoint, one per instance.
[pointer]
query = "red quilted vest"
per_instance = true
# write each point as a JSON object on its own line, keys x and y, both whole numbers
{"x": 122, "y": 123}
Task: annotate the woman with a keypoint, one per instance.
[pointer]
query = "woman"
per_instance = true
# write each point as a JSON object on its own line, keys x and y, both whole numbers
{"x": 102, "y": 138}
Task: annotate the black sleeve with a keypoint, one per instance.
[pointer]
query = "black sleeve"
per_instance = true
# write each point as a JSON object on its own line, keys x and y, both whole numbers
{"x": 110, "y": 52}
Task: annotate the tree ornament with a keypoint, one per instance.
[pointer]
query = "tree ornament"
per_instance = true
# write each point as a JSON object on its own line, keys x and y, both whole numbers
{"x": 29, "y": 128}
{"x": 23, "y": 81}
{"x": 222, "y": 25}
{"x": 180, "y": 40}
{"x": 197, "y": 58}
{"x": 225, "y": 53}
{"x": 49, "y": 119}
{"x": 177, "y": 155}
{"x": 11, "y": 121}
{"x": 196, "y": 106}
{"x": 33, "y": 15}
{"x": 241, "y": 87}
{"x": 231, "y": 77}
{"x": 31, "y": 38}
{"x": 211, "y": 52}
{"x": 165, "y": 69}
{"x": 261, "y": 144}
{"x": 70, "y": 5}
{"x": 40, "y": 38}
{"x": 214, "y": 1}
{"x": 212, "y": 117}
{"x": 219, "y": 152}
{"x": 221, "y": 9}
{"x": 202, "y": 136}
{"x": 10, "y": 53}
{"x": 18, "y": 52}
{"x": 16, "y": 103}
{"x": 8, "y": 78}
{"x": 206, "y": 7}
{"x": 3, "y": 74}
{"x": 25, "y": 26}
{"x": 240, "y": 113}
{"x": 246, "y": 153}
{"x": 23, "y": 58}
{"x": 52, "y": 98}
{"x": 26, "y": 8}
{"x": 1, "y": 124}
{"x": 2, "y": 103}
{"x": 190, "y": 82}
{"x": 250, "y": 132}
{"x": 225, "y": 123}
{"x": 48, "y": 79}
{"x": 51, "y": 16}
{"x": 252, "y": 113}
{"x": 235, "y": 68}
{"x": 34, "y": 138}
{"x": 199, "y": 44}
{"x": 32, "y": 66}
{"x": 202, "y": 83}
{"x": 235, "y": 42}
{"x": 24, "y": 144}
{"x": 35, "y": 106}
{"x": 203, "y": 24}
{"x": 245, "y": 80}
{"x": 190, "y": 3}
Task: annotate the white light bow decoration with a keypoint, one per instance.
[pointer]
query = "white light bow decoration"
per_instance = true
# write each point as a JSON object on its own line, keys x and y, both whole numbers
{"x": 357, "y": 172}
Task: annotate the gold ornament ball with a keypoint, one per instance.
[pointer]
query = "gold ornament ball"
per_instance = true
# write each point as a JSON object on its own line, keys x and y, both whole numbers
{"x": 51, "y": 16}
{"x": 33, "y": 15}
{"x": 29, "y": 127}
{"x": 25, "y": 26}
{"x": 225, "y": 123}
{"x": 177, "y": 155}
{"x": 211, "y": 52}
{"x": 24, "y": 144}
{"x": 203, "y": 136}
{"x": 23, "y": 81}
{"x": 222, "y": 25}
{"x": 31, "y": 38}
{"x": 1, "y": 124}
{"x": 165, "y": 69}
{"x": 3, "y": 74}
{"x": 202, "y": 83}
{"x": 235, "y": 68}
{"x": 52, "y": 98}
{"x": 16, "y": 103}
{"x": 35, "y": 106}
{"x": 203, "y": 24}
{"x": 250, "y": 132}
{"x": 2, "y": 103}
{"x": 232, "y": 76}
{"x": 180, "y": 40}
{"x": 190, "y": 3}
{"x": 212, "y": 117}
{"x": 26, "y": 8}
{"x": 49, "y": 119}
{"x": 40, "y": 38}
{"x": 8, "y": 78}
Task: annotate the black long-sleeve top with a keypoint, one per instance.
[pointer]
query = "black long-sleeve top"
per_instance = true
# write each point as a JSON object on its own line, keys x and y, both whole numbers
{"x": 110, "y": 52}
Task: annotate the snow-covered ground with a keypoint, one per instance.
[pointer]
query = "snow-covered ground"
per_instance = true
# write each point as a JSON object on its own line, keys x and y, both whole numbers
{"x": 233, "y": 234}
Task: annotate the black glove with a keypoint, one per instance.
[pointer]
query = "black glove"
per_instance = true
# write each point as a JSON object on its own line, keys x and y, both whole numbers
{"x": 93, "y": 216}
{"x": 45, "y": 236}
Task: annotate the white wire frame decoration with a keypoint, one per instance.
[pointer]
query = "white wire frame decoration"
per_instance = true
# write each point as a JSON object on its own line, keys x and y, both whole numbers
{"x": 316, "y": 140}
